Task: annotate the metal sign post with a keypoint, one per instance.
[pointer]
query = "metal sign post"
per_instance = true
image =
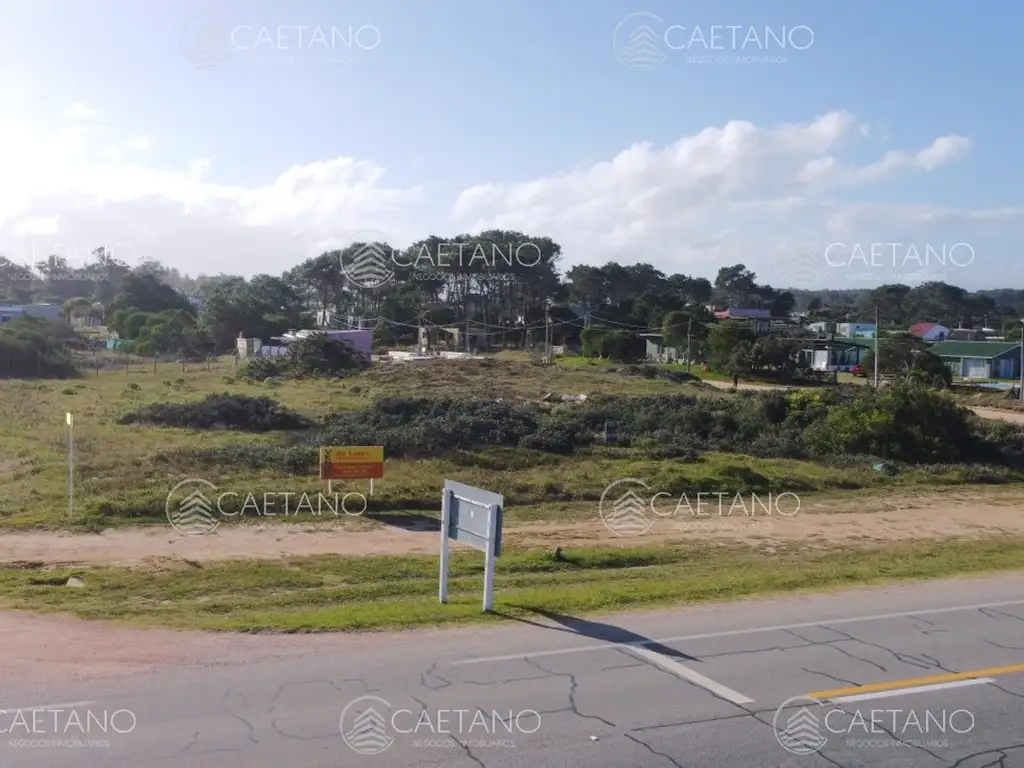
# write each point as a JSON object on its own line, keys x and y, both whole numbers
{"x": 474, "y": 516}
{"x": 446, "y": 516}
{"x": 71, "y": 464}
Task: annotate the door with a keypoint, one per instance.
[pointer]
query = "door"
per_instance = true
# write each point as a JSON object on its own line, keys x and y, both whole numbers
{"x": 976, "y": 368}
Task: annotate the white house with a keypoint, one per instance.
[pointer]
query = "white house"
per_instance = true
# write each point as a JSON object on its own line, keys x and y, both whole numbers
{"x": 44, "y": 311}
{"x": 856, "y": 330}
{"x": 930, "y": 331}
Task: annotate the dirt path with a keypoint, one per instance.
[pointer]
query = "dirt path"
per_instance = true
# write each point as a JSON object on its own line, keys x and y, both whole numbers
{"x": 1014, "y": 417}
{"x": 822, "y": 523}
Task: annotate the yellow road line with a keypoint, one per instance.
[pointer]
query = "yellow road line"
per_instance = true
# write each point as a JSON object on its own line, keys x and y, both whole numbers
{"x": 915, "y": 681}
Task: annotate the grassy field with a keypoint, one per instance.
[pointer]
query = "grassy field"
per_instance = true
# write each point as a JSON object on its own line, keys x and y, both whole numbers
{"x": 364, "y": 593}
{"x": 124, "y": 473}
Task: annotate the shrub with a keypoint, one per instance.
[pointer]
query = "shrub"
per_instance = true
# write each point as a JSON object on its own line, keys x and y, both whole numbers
{"x": 252, "y": 414}
{"x": 31, "y": 348}
{"x": 315, "y": 355}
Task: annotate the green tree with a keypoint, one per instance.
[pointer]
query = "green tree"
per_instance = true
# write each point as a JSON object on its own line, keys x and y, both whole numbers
{"x": 729, "y": 346}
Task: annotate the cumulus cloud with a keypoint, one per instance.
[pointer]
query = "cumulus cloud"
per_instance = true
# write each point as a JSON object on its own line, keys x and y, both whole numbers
{"x": 748, "y": 193}
{"x": 739, "y": 192}
{"x": 180, "y": 215}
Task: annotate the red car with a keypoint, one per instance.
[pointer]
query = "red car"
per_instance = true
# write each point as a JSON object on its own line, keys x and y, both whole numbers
{"x": 859, "y": 371}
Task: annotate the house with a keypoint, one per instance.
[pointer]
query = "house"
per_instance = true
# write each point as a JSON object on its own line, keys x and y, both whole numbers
{"x": 838, "y": 354}
{"x": 655, "y": 349}
{"x": 759, "y": 319}
{"x": 930, "y": 331}
{"x": 966, "y": 334}
{"x": 735, "y": 313}
{"x": 44, "y": 311}
{"x": 980, "y": 359}
{"x": 457, "y": 337}
{"x": 361, "y": 341}
{"x": 856, "y": 330}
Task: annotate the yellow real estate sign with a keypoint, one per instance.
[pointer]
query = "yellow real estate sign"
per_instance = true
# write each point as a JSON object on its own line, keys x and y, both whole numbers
{"x": 361, "y": 462}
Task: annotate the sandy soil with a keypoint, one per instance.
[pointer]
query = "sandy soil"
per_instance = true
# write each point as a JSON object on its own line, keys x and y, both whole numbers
{"x": 819, "y": 523}
{"x": 1014, "y": 417}
{"x": 55, "y": 648}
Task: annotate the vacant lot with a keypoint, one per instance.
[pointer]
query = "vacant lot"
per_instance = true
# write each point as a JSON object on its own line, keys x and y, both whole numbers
{"x": 379, "y": 569}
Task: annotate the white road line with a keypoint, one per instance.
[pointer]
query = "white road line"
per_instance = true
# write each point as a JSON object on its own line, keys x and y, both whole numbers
{"x": 47, "y": 707}
{"x": 735, "y": 632}
{"x": 915, "y": 689}
{"x": 679, "y": 670}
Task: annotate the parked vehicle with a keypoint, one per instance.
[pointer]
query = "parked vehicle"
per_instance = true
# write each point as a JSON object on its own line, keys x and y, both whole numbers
{"x": 859, "y": 372}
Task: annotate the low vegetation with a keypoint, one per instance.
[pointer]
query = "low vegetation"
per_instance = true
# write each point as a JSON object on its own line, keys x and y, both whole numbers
{"x": 316, "y": 594}
{"x": 222, "y": 411}
{"x": 29, "y": 349}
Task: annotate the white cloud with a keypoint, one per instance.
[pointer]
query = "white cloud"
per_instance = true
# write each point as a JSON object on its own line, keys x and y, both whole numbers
{"x": 180, "y": 215}
{"x": 38, "y": 225}
{"x": 727, "y": 194}
{"x": 80, "y": 111}
{"x": 139, "y": 144}
{"x": 743, "y": 191}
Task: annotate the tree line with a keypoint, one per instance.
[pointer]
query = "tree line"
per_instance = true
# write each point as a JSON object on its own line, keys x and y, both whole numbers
{"x": 158, "y": 310}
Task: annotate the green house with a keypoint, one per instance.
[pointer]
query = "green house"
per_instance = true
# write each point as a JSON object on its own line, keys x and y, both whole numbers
{"x": 980, "y": 359}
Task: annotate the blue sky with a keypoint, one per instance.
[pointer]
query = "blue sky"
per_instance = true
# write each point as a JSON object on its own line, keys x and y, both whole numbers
{"x": 457, "y": 95}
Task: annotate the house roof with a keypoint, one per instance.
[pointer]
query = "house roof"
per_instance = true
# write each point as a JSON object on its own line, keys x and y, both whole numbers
{"x": 840, "y": 341}
{"x": 924, "y": 327}
{"x": 984, "y": 350}
{"x": 741, "y": 313}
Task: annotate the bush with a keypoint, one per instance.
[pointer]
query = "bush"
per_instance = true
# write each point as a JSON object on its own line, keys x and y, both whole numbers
{"x": 313, "y": 356}
{"x": 904, "y": 424}
{"x": 31, "y": 348}
{"x": 262, "y": 368}
{"x": 251, "y": 414}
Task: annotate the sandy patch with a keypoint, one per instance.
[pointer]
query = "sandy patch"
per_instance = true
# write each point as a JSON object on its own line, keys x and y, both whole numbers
{"x": 852, "y": 520}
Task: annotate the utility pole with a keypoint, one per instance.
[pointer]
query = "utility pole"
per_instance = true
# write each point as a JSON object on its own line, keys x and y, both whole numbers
{"x": 548, "y": 337}
{"x": 689, "y": 329}
{"x": 878, "y": 331}
{"x": 1022, "y": 360}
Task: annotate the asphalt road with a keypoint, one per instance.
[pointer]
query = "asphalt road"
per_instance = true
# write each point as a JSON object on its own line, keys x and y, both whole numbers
{"x": 936, "y": 671}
